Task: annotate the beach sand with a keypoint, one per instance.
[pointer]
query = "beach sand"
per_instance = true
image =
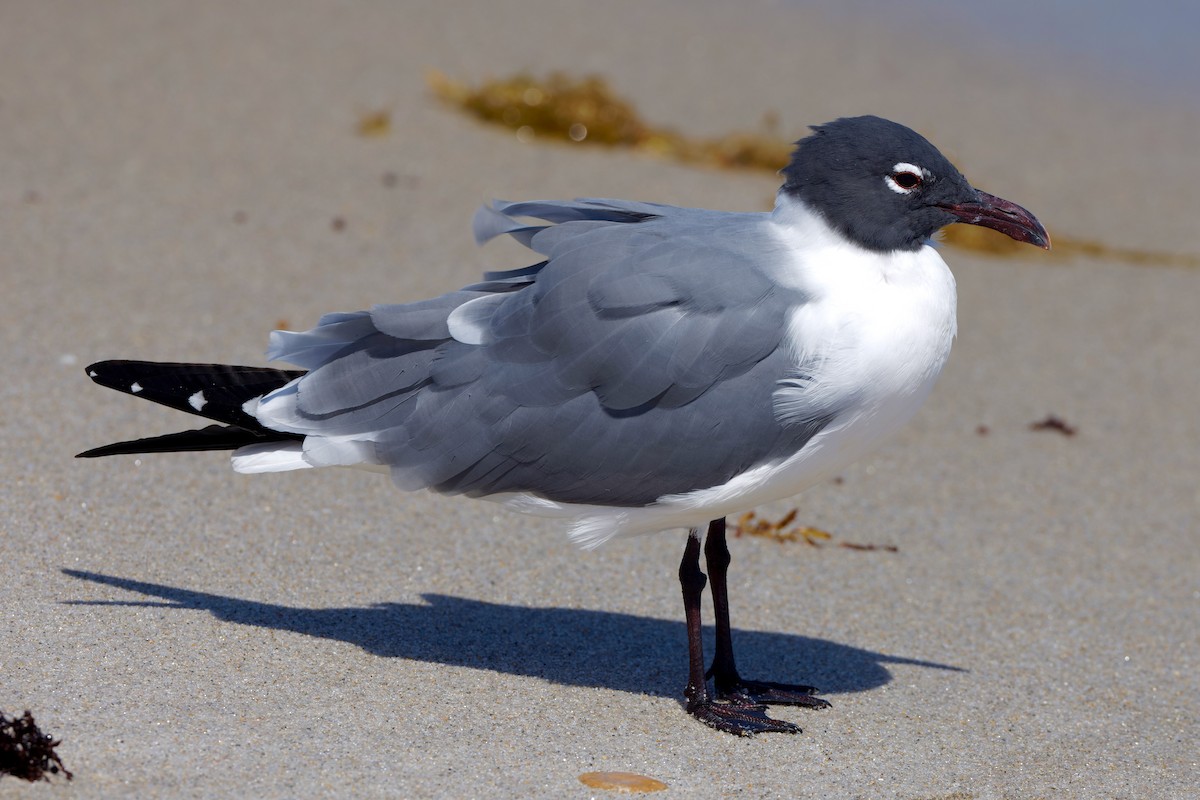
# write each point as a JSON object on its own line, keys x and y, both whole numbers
{"x": 174, "y": 175}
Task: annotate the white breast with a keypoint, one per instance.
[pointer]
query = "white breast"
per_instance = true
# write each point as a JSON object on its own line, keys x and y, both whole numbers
{"x": 871, "y": 341}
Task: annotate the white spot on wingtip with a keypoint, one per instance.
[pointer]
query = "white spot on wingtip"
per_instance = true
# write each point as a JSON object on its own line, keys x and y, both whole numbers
{"x": 198, "y": 400}
{"x": 92, "y": 373}
{"x": 135, "y": 387}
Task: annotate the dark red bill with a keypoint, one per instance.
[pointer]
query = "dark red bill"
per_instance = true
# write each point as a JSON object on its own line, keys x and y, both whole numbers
{"x": 1001, "y": 215}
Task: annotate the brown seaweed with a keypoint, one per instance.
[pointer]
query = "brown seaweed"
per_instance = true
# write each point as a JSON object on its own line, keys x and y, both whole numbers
{"x": 750, "y": 524}
{"x": 586, "y": 111}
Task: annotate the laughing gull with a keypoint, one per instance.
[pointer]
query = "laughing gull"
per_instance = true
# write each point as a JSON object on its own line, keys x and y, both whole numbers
{"x": 660, "y": 368}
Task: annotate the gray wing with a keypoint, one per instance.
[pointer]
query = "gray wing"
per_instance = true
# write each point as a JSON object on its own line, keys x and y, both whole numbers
{"x": 638, "y": 360}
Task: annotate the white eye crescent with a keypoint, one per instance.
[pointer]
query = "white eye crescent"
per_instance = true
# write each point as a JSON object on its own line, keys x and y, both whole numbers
{"x": 905, "y": 178}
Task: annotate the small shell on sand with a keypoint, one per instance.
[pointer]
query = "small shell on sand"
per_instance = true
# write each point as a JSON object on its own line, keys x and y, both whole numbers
{"x": 627, "y": 782}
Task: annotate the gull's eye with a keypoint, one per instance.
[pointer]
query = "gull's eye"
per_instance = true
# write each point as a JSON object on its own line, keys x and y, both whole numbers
{"x": 905, "y": 178}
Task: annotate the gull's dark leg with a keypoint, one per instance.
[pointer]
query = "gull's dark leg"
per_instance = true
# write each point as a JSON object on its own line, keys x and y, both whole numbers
{"x": 738, "y": 718}
{"x": 716, "y": 555}
{"x": 729, "y": 685}
{"x": 692, "y": 580}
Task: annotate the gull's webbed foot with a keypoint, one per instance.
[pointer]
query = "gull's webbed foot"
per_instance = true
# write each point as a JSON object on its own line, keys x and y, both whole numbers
{"x": 737, "y": 718}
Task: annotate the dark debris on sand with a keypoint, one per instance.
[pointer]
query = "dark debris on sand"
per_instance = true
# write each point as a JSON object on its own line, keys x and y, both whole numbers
{"x": 26, "y": 752}
{"x": 1056, "y": 424}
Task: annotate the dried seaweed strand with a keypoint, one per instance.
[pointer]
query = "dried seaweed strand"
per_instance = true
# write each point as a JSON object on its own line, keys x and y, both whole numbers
{"x": 750, "y": 524}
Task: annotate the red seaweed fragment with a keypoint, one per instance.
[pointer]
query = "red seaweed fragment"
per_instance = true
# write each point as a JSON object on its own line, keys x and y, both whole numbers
{"x": 1053, "y": 423}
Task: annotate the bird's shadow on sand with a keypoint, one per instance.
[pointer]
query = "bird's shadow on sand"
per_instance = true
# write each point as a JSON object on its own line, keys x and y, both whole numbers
{"x": 577, "y": 647}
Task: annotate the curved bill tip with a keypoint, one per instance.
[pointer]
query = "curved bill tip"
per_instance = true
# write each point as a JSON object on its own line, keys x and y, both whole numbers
{"x": 1001, "y": 215}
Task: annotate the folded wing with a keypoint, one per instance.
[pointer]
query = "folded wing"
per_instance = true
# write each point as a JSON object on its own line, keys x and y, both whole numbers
{"x": 637, "y": 360}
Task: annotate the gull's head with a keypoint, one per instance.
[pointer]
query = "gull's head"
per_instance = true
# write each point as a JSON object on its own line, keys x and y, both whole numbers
{"x": 885, "y": 187}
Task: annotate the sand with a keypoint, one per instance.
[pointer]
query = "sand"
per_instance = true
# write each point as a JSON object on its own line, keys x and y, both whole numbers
{"x": 172, "y": 177}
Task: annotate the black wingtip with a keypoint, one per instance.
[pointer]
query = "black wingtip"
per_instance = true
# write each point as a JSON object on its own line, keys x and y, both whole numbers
{"x": 216, "y": 391}
{"x": 213, "y": 437}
